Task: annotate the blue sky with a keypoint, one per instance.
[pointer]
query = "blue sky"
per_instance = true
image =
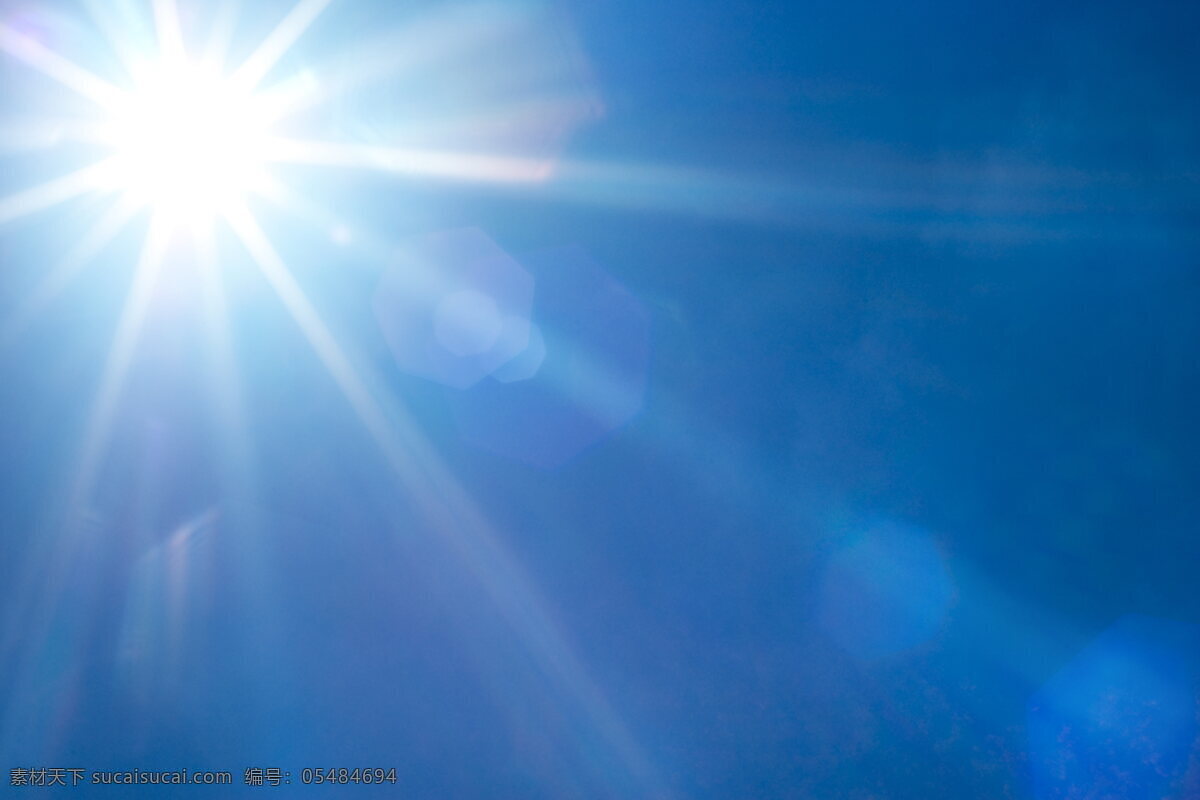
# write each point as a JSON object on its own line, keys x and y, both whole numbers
{"x": 861, "y": 462}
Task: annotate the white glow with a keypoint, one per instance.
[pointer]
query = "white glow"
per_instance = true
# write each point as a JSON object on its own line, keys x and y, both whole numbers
{"x": 189, "y": 142}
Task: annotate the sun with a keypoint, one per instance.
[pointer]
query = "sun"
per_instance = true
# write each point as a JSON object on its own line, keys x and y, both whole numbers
{"x": 188, "y": 142}
{"x": 179, "y": 134}
{"x": 203, "y": 143}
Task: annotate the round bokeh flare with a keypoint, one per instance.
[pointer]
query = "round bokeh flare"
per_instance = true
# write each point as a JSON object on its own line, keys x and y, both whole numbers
{"x": 884, "y": 592}
{"x": 454, "y": 307}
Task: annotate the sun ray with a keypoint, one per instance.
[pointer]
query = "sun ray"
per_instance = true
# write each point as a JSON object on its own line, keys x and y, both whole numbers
{"x": 319, "y": 337}
{"x": 233, "y": 444}
{"x": 170, "y": 33}
{"x": 128, "y": 32}
{"x": 301, "y": 208}
{"x": 287, "y": 96}
{"x": 220, "y": 34}
{"x": 437, "y": 494}
{"x": 224, "y": 383}
{"x": 120, "y": 357}
{"x": 66, "y": 72}
{"x": 118, "y": 36}
{"x": 20, "y": 135}
{"x": 93, "y": 241}
{"x": 277, "y": 43}
{"x": 42, "y": 581}
{"x": 448, "y": 507}
{"x": 58, "y": 190}
{"x": 616, "y": 184}
{"x": 220, "y": 349}
{"x": 479, "y": 167}
{"x": 450, "y": 33}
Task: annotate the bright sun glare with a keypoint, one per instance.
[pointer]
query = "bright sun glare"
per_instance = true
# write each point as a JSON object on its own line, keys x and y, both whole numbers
{"x": 188, "y": 143}
{"x": 191, "y": 141}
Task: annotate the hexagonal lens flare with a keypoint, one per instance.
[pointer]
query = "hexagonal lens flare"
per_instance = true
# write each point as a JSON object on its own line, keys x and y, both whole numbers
{"x": 1120, "y": 718}
{"x": 582, "y": 376}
